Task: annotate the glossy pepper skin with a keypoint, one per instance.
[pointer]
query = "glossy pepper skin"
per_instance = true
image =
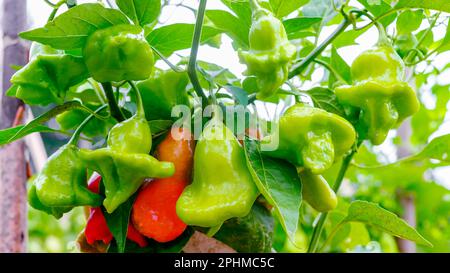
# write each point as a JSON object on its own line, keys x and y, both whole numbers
{"x": 379, "y": 91}
{"x": 317, "y": 192}
{"x": 46, "y": 78}
{"x": 35, "y": 203}
{"x": 270, "y": 54}
{"x": 96, "y": 227}
{"x": 62, "y": 181}
{"x": 125, "y": 163}
{"x": 222, "y": 186}
{"x": 154, "y": 210}
{"x": 118, "y": 53}
{"x": 312, "y": 138}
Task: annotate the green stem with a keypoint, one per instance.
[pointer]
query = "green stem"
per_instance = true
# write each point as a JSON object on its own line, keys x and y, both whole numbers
{"x": 76, "y": 135}
{"x": 331, "y": 235}
{"x": 171, "y": 65}
{"x": 112, "y": 102}
{"x": 413, "y": 53}
{"x": 49, "y": 3}
{"x": 318, "y": 229}
{"x": 192, "y": 66}
{"x": 299, "y": 67}
{"x": 55, "y": 10}
{"x": 140, "y": 112}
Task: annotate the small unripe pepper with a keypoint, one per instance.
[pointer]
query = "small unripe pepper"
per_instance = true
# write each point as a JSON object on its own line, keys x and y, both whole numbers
{"x": 125, "y": 163}
{"x": 317, "y": 192}
{"x": 311, "y": 138}
{"x": 118, "y": 53}
{"x": 379, "y": 91}
{"x": 270, "y": 54}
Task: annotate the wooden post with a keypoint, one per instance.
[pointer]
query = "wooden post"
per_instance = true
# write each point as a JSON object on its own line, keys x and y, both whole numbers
{"x": 13, "y": 197}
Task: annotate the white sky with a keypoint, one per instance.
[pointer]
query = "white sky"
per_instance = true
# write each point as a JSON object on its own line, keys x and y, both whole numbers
{"x": 227, "y": 57}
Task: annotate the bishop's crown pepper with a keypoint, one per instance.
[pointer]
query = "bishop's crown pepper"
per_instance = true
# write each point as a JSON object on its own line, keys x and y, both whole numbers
{"x": 222, "y": 186}
{"x": 270, "y": 55}
{"x": 118, "y": 53}
{"x": 379, "y": 91}
{"x": 61, "y": 184}
{"x": 311, "y": 138}
{"x": 96, "y": 227}
{"x": 154, "y": 210}
{"x": 125, "y": 163}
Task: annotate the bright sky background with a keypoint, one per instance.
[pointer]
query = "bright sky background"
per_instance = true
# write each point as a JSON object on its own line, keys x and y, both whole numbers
{"x": 227, "y": 57}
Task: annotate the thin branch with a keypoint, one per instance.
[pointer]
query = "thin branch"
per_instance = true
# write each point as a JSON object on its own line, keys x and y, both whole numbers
{"x": 192, "y": 66}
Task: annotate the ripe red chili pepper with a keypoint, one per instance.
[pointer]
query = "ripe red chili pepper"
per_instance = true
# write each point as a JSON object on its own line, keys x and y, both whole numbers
{"x": 154, "y": 211}
{"x": 96, "y": 226}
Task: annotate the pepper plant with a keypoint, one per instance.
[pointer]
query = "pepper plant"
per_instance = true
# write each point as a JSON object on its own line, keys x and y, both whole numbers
{"x": 317, "y": 178}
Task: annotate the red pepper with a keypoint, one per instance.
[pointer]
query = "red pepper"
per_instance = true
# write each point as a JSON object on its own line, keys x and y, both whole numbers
{"x": 154, "y": 210}
{"x": 96, "y": 227}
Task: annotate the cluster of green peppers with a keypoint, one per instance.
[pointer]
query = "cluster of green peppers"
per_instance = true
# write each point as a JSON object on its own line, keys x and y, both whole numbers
{"x": 222, "y": 187}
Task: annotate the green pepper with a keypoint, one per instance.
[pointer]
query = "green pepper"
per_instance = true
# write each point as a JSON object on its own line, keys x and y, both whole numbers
{"x": 35, "y": 203}
{"x": 311, "y": 138}
{"x": 46, "y": 78}
{"x": 317, "y": 192}
{"x": 62, "y": 181}
{"x": 379, "y": 91}
{"x": 125, "y": 163}
{"x": 162, "y": 91}
{"x": 118, "y": 53}
{"x": 270, "y": 54}
{"x": 222, "y": 186}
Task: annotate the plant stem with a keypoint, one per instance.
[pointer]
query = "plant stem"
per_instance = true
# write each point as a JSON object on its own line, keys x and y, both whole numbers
{"x": 171, "y": 65}
{"x": 139, "y": 105}
{"x": 192, "y": 66}
{"x": 112, "y": 102}
{"x": 323, "y": 217}
{"x": 299, "y": 67}
{"x": 76, "y": 135}
{"x": 55, "y": 10}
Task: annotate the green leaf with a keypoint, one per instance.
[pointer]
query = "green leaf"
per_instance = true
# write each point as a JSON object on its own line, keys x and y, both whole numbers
{"x": 118, "y": 222}
{"x": 158, "y": 127}
{"x": 279, "y": 183}
{"x": 409, "y": 21}
{"x": 438, "y": 148}
{"x": 445, "y": 44}
{"x": 440, "y": 5}
{"x": 379, "y": 8}
{"x": 170, "y": 38}
{"x": 321, "y": 8}
{"x": 71, "y": 29}
{"x": 239, "y": 94}
{"x": 281, "y": 8}
{"x": 231, "y": 25}
{"x": 347, "y": 38}
{"x": 257, "y": 229}
{"x": 374, "y": 215}
{"x": 340, "y": 66}
{"x": 12, "y": 134}
{"x": 242, "y": 11}
{"x": 141, "y": 12}
{"x": 36, "y": 124}
{"x": 298, "y": 25}
{"x": 325, "y": 99}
